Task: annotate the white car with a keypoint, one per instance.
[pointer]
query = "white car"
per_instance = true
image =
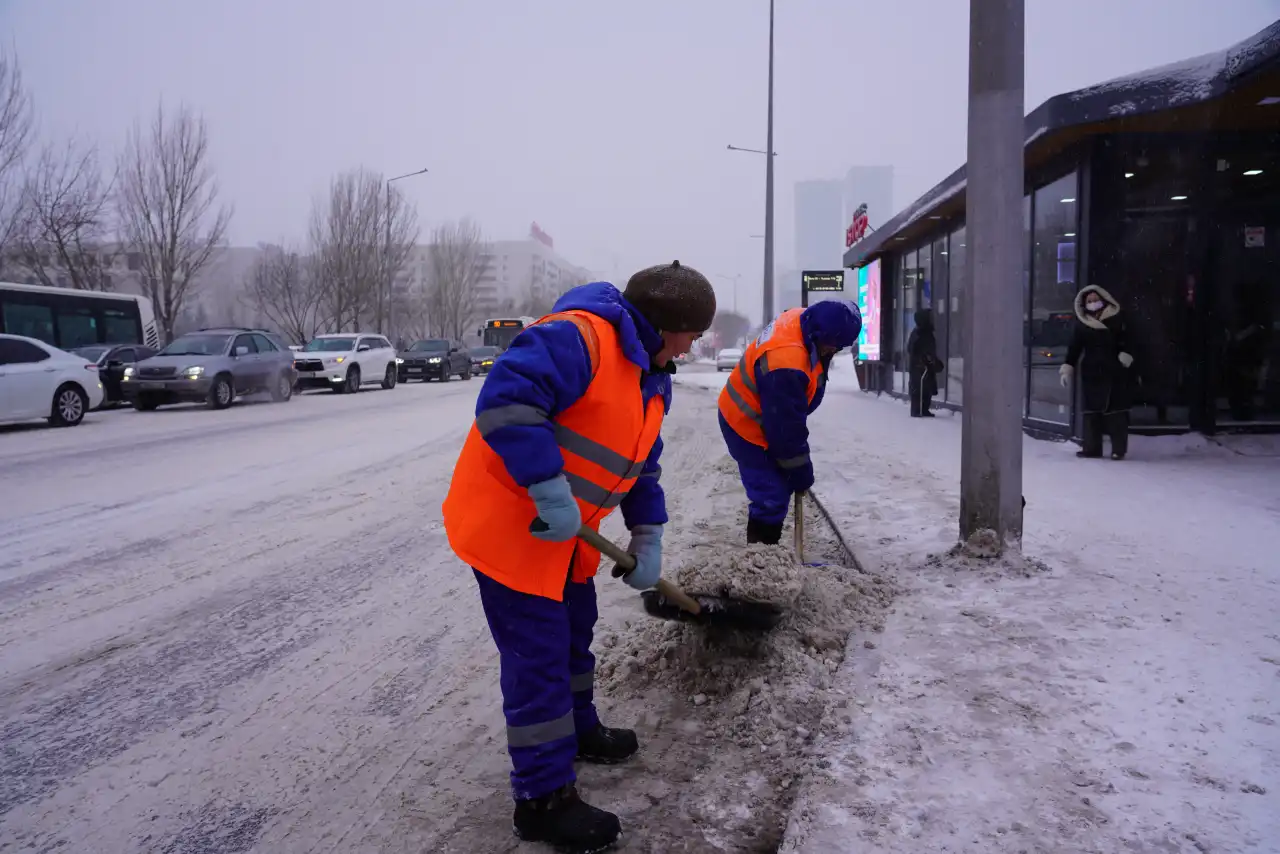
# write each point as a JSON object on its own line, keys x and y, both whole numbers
{"x": 41, "y": 381}
{"x": 728, "y": 358}
{"x": 346, "y": 361}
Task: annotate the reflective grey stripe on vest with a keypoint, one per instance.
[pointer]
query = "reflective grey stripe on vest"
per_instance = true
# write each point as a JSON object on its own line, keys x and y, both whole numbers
{"x": 794, "y": 462}
{"x": 589, "y": 449}
{"x": 507, "y": 416}
{"x": 533, "y": 735}
{"x": 741, "y": 403}
{"x": 592, "y": 493}
{"x": 747, "y": 380}
{"x": 763, "y": 363}
{"x": 582, "y": 681}
{"x": 655, "y": 474}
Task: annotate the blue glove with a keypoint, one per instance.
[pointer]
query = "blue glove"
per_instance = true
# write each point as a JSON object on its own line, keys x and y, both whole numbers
{"x": 800, "y": 478}
{"x": 646, "y": 545}
{"x": 557, "y": 508}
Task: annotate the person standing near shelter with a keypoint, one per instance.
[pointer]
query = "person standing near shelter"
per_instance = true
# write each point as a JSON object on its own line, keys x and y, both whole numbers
{"x": 923, "y": 363}
{"x": 765, "y": 407}
{"x": 1099, "y": 350}
{"x": 567, "y": 429}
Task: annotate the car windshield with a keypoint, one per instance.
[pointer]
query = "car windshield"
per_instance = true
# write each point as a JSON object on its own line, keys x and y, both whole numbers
{"x": 93, "y": 354}
{"x": 432, "y": 345}
{"x": 329, "y": 345}
{"x": 196, "y": 345}
{"x": 484, "y": 352}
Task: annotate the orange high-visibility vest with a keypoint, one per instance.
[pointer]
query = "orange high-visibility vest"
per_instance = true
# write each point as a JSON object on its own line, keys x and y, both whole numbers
{"x": 605, "y": 438}
{"x": 780, "y": 345}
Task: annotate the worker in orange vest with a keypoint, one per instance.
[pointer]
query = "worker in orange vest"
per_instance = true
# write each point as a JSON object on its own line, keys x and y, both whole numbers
{"x": 765, "y": 406}
{"x": 567, "y": 429}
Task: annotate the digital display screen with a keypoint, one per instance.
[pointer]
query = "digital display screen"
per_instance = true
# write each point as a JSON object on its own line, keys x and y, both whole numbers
{"x": 493, "y": 324}
{"x": 869, "y": 307}
{"x": 822, "y": 280}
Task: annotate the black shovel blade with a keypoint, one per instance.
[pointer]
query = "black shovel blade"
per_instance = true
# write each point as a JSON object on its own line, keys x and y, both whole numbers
{"x": 720, "y": 611}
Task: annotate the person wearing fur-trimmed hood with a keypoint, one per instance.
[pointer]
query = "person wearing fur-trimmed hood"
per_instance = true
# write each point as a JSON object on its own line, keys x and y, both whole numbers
{"x": 1099, "y": 351}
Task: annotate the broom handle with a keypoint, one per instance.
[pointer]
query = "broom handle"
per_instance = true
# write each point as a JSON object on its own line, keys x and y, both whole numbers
{"x": 627, "y": 561}
{"x": 800, "y": 527}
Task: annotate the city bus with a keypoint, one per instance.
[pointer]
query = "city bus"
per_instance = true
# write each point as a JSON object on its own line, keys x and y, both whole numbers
{"x": 498, "y": 331}
{"x": 67, "y": 318}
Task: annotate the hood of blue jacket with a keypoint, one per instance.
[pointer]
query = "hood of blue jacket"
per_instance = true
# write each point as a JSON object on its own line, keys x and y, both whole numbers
{"x": 640, "y": 341}
{"x": 831, "y": 323}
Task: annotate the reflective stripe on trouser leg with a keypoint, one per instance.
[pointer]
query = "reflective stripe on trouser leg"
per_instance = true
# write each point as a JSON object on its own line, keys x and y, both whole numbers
{"x": 580, "y": 600}
{"x": 768, "y": 492}
{"x": 532, "y": 635}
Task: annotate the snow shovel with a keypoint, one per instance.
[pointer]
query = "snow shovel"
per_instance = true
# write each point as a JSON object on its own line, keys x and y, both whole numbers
{"x": 668, "y": 602}
{"x": 850, "y": 559}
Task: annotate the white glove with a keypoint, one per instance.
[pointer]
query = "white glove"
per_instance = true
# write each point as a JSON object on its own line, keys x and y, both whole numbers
{"x": 1125, "y": 359}
{"x": 1064, "y": 375}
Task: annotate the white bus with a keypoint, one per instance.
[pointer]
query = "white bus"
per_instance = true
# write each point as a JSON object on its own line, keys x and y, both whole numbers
{"x": 498, "y": 331}
{"x": 67, "y": 318}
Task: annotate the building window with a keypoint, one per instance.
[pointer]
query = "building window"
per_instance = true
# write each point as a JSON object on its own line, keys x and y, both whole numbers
{"x": 957, "y": 293}
{"x": 1053, "y": 291}
{"x": 905, "y": 300}
{"x": 941, "y": 305}
{"x": 1026, "y": 299}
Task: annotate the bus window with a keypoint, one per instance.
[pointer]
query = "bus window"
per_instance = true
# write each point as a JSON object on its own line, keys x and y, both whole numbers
{"x": 77, "y": 327}
{"x": 33, "y": 321}
{"x": 120, "y": 327}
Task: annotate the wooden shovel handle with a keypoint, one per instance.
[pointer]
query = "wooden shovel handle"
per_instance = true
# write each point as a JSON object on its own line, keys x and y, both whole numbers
{"x": 627, "y": 561}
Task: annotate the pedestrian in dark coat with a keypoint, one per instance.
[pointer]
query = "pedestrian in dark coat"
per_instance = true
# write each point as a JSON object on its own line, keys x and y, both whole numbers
{"x": 1099, "y": 351}
{"x": 923, "y": 364}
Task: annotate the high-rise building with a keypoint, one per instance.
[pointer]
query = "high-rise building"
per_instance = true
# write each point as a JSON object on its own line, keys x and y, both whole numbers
{"x": 871, "y": 186}
{"x": 819, "y": 238}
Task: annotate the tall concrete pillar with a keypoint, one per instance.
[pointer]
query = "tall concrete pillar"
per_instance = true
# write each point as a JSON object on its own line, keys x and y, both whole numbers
{"x": 991, "y": 447}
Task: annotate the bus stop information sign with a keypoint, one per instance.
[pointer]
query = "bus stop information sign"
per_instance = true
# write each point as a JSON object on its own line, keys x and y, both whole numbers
{"x": 819, "y": 281}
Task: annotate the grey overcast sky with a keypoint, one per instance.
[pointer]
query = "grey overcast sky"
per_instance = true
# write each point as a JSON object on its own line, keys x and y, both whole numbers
{"x": 605, "y": 121}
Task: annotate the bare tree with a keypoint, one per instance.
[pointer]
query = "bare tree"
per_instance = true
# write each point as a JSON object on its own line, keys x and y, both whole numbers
{"x": 64, "y": 230}
{"x": 168, "y": 207}
{"x": 282, "y": 289}
{"x": 16, "y": 122}
{"x": 729, "y": 327}
{"x": 458, "y": 258}
{"x": 539, "y": 299}
{"x": 361, "y": 240}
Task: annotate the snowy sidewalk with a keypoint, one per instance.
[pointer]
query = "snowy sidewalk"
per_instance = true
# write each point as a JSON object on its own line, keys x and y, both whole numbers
{"x": 1124, "y": 698}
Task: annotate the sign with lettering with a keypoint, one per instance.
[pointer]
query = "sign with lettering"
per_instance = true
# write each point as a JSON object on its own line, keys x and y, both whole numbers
{"x": 822, "y": 280}
{"x": 859, "y": 227}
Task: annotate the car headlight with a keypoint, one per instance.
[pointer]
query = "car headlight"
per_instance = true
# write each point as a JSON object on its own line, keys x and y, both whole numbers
{"x": 435, "y": 360}
{"x": 399, "y": 361}
{"x": 128, "y": 372}
{"x": 193, "y": 371}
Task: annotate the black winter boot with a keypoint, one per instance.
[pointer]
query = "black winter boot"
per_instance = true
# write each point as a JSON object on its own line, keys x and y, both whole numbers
{"x": 768, "y": 533}
{"x": 565, "y": 822}
{"x": 606, "y": 746}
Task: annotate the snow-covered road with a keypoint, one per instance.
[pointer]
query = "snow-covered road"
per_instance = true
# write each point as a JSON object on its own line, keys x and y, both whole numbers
{"x": 244, "y": 631}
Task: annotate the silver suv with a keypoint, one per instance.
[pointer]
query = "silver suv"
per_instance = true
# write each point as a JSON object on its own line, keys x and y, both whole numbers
{"x": 212, "y": 366}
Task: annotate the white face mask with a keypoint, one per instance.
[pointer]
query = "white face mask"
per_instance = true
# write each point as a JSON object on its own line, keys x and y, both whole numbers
{"x": 1094, "y": 305}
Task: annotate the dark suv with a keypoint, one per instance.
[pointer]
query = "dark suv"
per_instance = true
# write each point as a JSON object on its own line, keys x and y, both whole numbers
{"x": 434, "y": 358}
{"x": 212, "y": 366}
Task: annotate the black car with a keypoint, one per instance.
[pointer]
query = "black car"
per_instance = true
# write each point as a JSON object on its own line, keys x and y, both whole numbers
{"x": 482, "y": 359}
{"x": 434, "y": 359}
{"x": 111, "y": 360}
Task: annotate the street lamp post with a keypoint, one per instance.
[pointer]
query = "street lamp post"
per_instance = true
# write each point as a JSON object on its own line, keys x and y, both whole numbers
{"x": 768, "y": 185}
{"x": 733, "y": 279}
{"x": 385, "y": 303}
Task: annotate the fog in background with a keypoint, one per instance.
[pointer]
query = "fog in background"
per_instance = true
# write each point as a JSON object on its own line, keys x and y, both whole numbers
{"x": 604, "y": 121}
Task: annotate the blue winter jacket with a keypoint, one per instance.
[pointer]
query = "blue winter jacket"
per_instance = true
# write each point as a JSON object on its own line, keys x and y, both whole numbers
{"x": 784, "y": 393}
{"x": 547, "y": 367}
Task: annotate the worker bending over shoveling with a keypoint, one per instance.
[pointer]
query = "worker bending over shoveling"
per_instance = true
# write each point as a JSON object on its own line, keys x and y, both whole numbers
{"x": 567, "y": 429}
{"x": 765, "y": 406}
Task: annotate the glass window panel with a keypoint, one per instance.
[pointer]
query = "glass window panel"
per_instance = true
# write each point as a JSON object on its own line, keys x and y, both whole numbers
{"x": 77, "y": 327}
{"x": 941, "y": 308}
{"x": 1054, "y": 289}
{"x": 958, "y": 284}
{"x": 29, "y": 320}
